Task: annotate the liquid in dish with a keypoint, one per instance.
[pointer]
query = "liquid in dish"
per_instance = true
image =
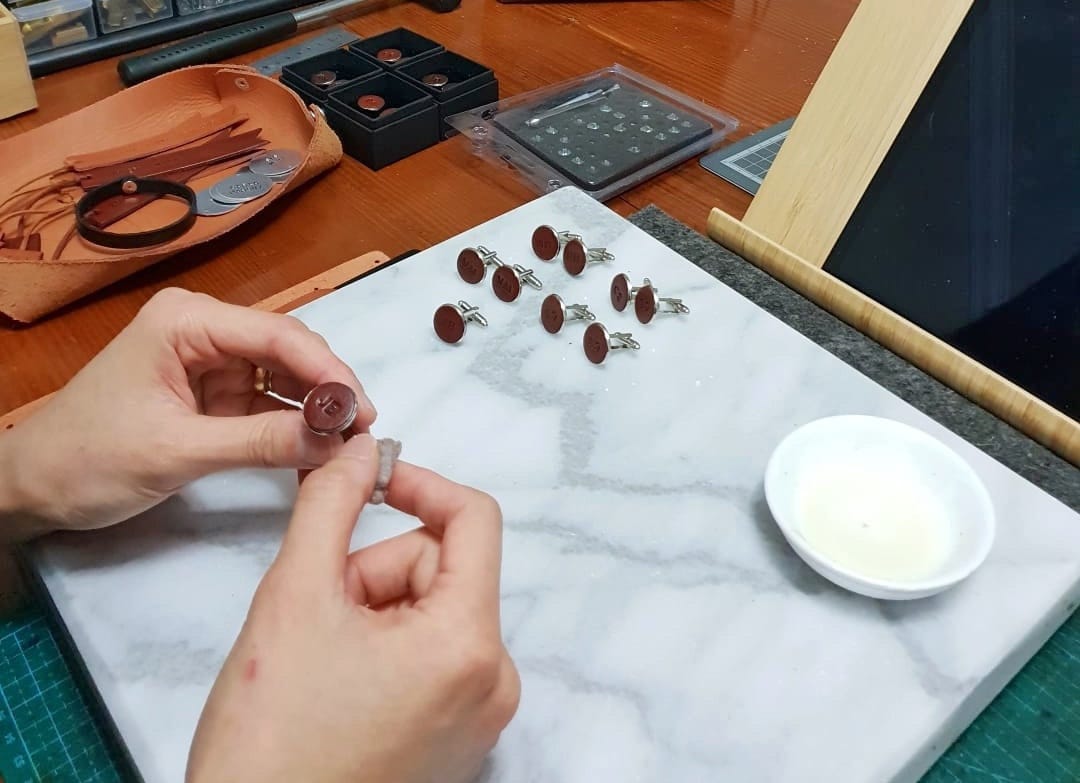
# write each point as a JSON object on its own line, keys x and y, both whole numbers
{"x": 879, "y": 525}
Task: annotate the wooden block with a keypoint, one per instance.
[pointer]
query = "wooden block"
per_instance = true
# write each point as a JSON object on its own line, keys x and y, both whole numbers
{"x": 16, "y": 86}
{"x": 860, "y": 101}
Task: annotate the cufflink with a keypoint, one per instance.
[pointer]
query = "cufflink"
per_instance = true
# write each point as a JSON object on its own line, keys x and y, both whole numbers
{"x": 598, "y": 342}
{"x": 648, "y": 303}
{"x": 576, "y": 256}
{"x": 472, "y": 263}
{"x": 547, "y": 242}
{"x": 506, "y": 281}
{"x": 622, "y": 293}
{"x": 554, "y": 313}
{"x": 451, "y": 320}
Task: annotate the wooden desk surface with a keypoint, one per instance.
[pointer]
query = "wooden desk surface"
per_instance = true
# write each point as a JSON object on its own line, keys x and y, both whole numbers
{"x": 755, "y": 60}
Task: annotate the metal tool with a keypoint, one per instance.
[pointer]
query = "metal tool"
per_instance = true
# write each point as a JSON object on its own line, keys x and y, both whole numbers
{"x": 334, "y": 38}
{"x": 226, "y": 42}
{"x": 581, "y": 100}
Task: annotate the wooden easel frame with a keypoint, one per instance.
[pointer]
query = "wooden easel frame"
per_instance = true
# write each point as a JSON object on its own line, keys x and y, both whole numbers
{"x": 878, "y": 70}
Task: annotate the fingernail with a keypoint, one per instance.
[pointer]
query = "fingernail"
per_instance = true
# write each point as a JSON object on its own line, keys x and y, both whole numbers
{"x": 361, "y": 445}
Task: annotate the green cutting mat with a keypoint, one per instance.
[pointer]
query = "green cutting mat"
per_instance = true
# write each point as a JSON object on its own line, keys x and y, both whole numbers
{"x": 48, "y": 733}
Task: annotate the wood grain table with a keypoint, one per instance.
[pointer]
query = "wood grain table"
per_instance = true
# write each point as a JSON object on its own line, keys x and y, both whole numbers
{"x": 753, "y": 59}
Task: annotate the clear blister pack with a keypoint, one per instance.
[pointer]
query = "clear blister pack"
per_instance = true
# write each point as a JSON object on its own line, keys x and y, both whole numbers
{"x": 603, "y": 132}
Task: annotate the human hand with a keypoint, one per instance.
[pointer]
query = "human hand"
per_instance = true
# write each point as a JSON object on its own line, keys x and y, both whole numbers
{"x": 385, "y": 665}
{"x": 172, "y": 398}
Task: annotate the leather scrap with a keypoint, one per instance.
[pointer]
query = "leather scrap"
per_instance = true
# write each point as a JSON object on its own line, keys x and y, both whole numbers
{"x": 177, "y": 160}
{"x": 72, "y": 269}
{"x": 188, "y": 132}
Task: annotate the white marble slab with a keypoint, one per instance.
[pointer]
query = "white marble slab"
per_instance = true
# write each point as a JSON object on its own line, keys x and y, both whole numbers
{"x": 664, "y": 630}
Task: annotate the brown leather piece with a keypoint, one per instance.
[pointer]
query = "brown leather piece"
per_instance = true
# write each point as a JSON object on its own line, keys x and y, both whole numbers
{"x": 212, "y": 151}
{"x": 105, "y": 214}
{"x": 33, "y": 243}
{"x": 15, "y": 254}
{"x": 187, "y": 132}
{"x": 32, "y": 289}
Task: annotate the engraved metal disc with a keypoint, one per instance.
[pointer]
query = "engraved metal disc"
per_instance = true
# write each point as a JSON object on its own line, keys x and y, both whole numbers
{"x": 323, "y": 78}
{"x": 552, "y": 313}
{"x": 645, "y": 304}
{"x": 371, "y": 103}
{"x": 276, "y": 163}
{"x": 207, "y": 207}
{"x": 545, "y": 243}
{"x": 330, "y": 408}
{"x": 241, "y": 188}
{"x": 436, "y": 80}
{"x": 620, "y": 292}
{"x": 505, "y": 284}
{"x": 471, "y": 266}
{"x": 388, "y": 55}
{"x": 574, "y": 257}
{"x": 595, "y": 343}
{"x": 449, "y": 324}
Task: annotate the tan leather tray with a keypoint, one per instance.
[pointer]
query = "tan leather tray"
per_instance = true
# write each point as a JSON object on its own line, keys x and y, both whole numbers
{"x": 32, "y": 289}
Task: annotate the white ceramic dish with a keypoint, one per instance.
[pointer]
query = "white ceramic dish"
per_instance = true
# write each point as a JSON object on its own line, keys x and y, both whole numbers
{"x": 878, "y": 507}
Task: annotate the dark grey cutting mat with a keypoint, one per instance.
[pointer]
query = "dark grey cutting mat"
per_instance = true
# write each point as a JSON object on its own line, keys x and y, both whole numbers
{"x": 746, "y": 162}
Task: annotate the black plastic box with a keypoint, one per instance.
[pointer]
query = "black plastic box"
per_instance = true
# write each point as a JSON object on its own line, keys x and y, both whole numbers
{"x": 471, "y": 84}
{"x": 379, "y": 141}
{"x": 348, "y": 66}
{"x": 411, "y": 45}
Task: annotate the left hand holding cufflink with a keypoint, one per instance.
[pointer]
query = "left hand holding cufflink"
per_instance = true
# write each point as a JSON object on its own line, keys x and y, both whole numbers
{"x": 171, "y": 399}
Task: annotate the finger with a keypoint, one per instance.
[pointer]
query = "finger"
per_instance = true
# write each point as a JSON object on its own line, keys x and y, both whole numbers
{"x": 469, "y": 524}
{"x": 274, "y": 439}
{"x": 201, "y": 328}
{"x": 328, "y": 503}
{"x": 398, "y": 568}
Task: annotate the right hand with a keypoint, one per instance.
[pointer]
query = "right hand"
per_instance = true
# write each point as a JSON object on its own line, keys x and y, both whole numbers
{"x": 385, "y": 665}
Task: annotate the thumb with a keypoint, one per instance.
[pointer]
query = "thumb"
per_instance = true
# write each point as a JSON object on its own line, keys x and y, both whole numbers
{"x": 316, "y": 544}
{"x": 275, "y": 439}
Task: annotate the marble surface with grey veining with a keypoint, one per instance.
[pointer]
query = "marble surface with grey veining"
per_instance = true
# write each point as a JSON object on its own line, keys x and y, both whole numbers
{"x": 663, "y": 628}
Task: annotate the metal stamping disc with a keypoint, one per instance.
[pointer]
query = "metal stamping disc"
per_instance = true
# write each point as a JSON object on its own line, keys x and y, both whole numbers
{"x": 276, "y": 163}
{"x": 241, "y": 188}
{"x": 207, "y": 207}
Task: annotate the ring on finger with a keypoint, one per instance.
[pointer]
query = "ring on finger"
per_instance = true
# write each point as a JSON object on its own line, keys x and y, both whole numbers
{"x": 263, "y": 380}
